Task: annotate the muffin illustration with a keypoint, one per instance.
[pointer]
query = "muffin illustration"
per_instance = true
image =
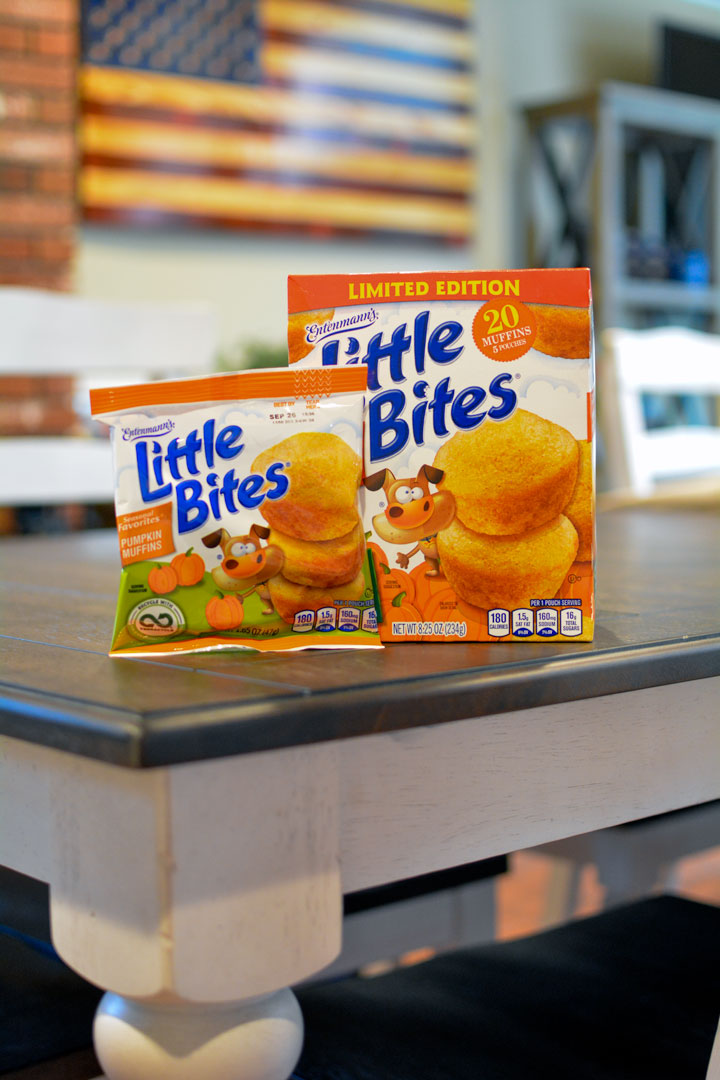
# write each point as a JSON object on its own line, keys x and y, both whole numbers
{"x": 580, "y": 507}
{"x": 562, "y": 331}
{"x": 507, "y": 571}
{"x": 321, "y": 563}
{"x": 290, "y": 598}
{"x": 509, "y": 476}
{"x": 324, "y": 475}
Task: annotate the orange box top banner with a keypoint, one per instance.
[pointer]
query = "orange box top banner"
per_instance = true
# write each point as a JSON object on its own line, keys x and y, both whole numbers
{"x": 562, "y": 286}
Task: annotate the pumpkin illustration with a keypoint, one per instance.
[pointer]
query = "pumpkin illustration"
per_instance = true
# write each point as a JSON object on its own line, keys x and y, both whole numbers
{"x": 189, "y": 567}
{"x": 442, "y": 607}
{"x": 426, "y": 587}
{"x": 394, "y": 582}
{"x": 162, "y": 579}
{"x": 401, "y": 610}
{"x": 376, "y": 553}
{"x": 224, "y": 612}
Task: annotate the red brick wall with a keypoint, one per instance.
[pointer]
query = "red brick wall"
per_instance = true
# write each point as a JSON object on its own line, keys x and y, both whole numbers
{"x": 38, "y": 56}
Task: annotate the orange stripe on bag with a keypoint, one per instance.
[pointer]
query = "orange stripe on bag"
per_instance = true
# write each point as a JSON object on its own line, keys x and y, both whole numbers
{"x": 235, "y": 386}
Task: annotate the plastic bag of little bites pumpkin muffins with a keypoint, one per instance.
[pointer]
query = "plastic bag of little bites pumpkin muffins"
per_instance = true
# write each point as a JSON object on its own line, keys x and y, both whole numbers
{"x": 237, "y": 511}
{"x": 479, "y": 477}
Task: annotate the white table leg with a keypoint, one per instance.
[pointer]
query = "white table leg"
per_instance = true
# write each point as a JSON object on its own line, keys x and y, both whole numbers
{"x": 254, "y": 1040}
{"x": 713, "y": 1072}
{"x": 195, "y": 895}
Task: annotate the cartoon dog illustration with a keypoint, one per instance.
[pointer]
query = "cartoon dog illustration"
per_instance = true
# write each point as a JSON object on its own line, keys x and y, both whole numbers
{"x": 247, "y": 565}
{"x": 412, "y": 513}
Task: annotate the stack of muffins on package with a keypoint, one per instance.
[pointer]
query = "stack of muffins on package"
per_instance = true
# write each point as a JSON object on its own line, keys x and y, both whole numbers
{"x": 516, "y": 532}
{"x": 317, "y": 527}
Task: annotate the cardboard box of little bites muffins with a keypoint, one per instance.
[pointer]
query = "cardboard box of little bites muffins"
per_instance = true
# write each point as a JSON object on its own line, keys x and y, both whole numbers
{"x": 479, "y": 462}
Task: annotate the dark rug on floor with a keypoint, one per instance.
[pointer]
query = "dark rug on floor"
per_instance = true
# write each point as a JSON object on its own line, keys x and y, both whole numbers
{"x": 46, "y": 1010}
{"x": 631, "y": 994}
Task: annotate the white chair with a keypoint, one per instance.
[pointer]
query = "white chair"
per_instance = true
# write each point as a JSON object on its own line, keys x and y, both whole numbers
{"x": 435, "y": 912}
{"x": 665, "y": 361}
{"x": 641, "y": 857}
{"x": 100, "y": 343}
{"x": 632, "y": 861}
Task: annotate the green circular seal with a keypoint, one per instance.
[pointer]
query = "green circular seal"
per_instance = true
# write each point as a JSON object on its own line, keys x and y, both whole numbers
{"x": 155, "y": 620}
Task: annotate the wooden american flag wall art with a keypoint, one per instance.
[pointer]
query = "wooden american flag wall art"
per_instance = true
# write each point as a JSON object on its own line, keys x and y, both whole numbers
{"x": 338, "y": 117}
